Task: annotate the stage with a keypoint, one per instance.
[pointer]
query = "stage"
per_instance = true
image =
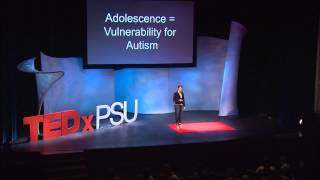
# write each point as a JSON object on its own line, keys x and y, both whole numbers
{"x": 156, "y": 130}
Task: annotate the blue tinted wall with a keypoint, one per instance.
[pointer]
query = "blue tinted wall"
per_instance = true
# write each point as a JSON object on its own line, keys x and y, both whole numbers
{"x": 205, "y": 85}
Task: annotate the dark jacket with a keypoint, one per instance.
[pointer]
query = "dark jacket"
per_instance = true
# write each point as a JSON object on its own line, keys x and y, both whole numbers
{"x": 176, "y": 98}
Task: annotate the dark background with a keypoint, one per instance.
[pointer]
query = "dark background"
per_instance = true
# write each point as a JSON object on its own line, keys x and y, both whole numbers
{"x": 277, "y": 65}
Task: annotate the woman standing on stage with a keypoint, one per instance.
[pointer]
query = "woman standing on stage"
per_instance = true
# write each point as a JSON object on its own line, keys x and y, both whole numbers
{"x": 179, "y": 104}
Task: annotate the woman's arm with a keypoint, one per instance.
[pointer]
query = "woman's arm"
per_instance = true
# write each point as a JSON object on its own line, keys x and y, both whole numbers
{"x": 184, "y": 102}
{"x": 174, "y": 98}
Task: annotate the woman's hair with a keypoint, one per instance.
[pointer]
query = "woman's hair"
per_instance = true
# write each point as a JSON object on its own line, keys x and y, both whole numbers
{"x": 180, "y": 86}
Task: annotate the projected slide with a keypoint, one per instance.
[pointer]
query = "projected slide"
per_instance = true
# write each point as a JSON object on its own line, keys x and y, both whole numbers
{"x": 140, "y": 33}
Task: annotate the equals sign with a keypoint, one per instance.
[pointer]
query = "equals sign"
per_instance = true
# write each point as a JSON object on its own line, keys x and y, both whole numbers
{"x": 171, "y": 18}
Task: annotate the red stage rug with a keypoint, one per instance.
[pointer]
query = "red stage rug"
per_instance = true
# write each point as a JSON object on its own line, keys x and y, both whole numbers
{"x": 202, "y": 127}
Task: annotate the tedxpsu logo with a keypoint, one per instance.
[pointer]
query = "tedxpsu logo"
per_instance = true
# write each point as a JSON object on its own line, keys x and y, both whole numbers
{"x": 56, "y": 124}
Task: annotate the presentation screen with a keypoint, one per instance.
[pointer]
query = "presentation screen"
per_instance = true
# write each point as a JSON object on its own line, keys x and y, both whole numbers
{"x": 140, "y": 33}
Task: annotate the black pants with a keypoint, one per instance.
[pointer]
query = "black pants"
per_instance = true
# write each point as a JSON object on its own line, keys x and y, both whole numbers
{"x": 178, "y": 111}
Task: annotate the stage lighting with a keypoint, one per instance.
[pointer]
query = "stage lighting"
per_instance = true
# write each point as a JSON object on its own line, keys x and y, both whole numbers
{"x": 300, "y": 121}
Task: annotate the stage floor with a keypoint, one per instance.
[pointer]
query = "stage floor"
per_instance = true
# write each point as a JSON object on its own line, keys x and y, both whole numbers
{"x": 155, "y": 130}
